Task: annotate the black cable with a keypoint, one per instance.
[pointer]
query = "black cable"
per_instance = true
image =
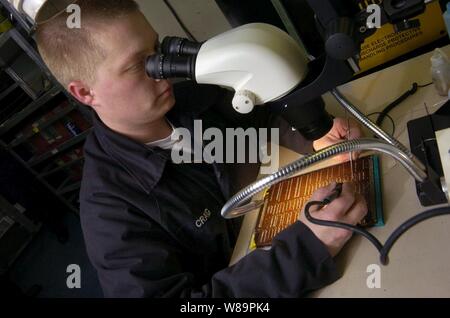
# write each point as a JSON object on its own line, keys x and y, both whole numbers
{"x": 425, "y": 85}
{"x": 406, "y": 226}
{"x": 382, "y": 249}
{"x": 395, "y": 103}
{"x": 341, "y": 225}
{"x": 390, "y": 118}
{"x": 180, "y": 22}
{"x": 398, "y": 101}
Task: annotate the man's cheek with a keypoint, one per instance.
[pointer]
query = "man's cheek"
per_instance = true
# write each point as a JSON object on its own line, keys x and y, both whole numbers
{"x": 111, "y": 88}
{"x": 148, "y": 96}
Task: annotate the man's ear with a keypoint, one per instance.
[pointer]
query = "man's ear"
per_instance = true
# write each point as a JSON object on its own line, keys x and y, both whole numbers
{"x": 81, "y": 92}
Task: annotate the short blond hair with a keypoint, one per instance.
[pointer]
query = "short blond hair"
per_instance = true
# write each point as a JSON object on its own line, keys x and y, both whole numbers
{"x": 72, "y": 54}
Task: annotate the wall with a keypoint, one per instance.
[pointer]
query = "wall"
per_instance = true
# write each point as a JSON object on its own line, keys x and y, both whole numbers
{"x": 203, "y": 18}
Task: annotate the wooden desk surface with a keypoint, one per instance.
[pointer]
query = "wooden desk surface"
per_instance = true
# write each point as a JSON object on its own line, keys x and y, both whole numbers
{"x": 420, "y": 260}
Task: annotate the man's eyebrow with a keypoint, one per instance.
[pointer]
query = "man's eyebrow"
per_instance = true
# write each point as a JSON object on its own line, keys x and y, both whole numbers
{"x": 135, "y": 55}
{"x": 131, "y": 57}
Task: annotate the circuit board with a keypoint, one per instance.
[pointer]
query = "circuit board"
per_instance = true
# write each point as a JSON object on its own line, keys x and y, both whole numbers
{"x": 283, "y": 202}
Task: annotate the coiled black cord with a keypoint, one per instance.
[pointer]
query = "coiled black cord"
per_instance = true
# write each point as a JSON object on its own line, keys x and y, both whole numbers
{"x": 382, "y": 249}
{"x": 384, "y": 113}
{"x": 406, "y": 226}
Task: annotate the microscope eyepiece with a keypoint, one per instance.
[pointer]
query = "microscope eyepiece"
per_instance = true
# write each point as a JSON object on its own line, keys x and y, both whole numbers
{"x": 161, "y": 66}
{"x": 177, "y": 60}
{"x": 179, "y": 46}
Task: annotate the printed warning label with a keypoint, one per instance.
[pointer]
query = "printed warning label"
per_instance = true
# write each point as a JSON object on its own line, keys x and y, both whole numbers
{"x": 386, "y": 44}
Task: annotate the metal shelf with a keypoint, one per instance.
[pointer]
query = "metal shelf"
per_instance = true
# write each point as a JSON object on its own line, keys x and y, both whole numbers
{"x": 20, "y": 233}
{"x": 21, "y": 83}
{"x": 36, "y": 160}
{"x": 9, "y": 210}
{"x": 73, "y": 197}
{"x": 69, "y": 188}
{"x": 21, "y": 61}
{"x": 43, "y": 181}
{"x": 30, "y": 51}
{"x": 24, "y": 22}
{"x": 9, "y": 90}
{"x": 3, "y": 37}
{"x": 63, "y": 184}
{"x": 10, "y": 50}
{"x": 64, "y": 166}
{"x": 38, "y": 128}
{"x": 26, "y": 238}
{"x": 16, "y": 102}
{"x": 24, "y": 67}
{"x": 33, "y": 106}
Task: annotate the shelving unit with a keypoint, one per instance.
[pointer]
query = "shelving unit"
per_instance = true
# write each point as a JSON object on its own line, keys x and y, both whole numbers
{"x": 28, "y": 110}
{"x": 37, "y": 128}
{"x": 39, "y": 159}
{"x": 9, "y": 90}
{"x": 38, "y": 136}
{"x": 14, "y": 223}
{"x": 25, "y": 69}
{"x": 41, "y": 127}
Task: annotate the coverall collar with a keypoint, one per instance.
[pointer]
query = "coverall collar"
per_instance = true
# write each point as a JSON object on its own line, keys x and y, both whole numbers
{"x": 146, "y": 164}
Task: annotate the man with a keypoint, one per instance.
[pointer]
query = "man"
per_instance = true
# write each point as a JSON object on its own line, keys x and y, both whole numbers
{"x": 138, "y": 208}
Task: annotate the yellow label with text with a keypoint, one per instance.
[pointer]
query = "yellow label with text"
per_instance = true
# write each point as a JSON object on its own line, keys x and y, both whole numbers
{"x": 386, "y": 44}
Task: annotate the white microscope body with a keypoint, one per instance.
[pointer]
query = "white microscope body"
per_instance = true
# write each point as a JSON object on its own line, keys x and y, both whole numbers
{"x": 238, "y": 59}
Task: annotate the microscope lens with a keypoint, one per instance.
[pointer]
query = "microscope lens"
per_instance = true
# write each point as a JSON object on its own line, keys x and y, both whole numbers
{"x": 160, "y": 66}
{"x": 179, "y": 46}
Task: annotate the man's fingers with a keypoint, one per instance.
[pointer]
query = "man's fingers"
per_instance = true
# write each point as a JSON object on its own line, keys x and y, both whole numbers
{"x": 345, "y": 157}
{"x": 347, "y": 202}
{"x": 342, "y": 204}
{"x": 322, "y": 193}
{"x": 319, "y": 195}
{"x": 356, "y": 154}
{"x": 339, "y": 207}
{"x": 353, "y": 131}
{"x": 357, "y": 212}
{"x": 348, "y": 188}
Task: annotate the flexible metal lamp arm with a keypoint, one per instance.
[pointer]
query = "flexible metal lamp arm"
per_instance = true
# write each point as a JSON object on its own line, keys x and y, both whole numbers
{"x": 234, "y": 206}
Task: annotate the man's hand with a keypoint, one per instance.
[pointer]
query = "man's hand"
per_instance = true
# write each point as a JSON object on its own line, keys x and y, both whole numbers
{"x": 338, "y": 134}
{"x": 348, "y": 208}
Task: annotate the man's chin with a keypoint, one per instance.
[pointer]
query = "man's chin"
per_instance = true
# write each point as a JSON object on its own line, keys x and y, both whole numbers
{"x": 170, "y": 101}
{"x": 167, "y": 104}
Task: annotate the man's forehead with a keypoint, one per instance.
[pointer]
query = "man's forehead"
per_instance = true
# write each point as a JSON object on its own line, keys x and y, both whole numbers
{"x": 128, "y": 31}
{"x": 123, "y": 45}
{"x": 135, "y": 49}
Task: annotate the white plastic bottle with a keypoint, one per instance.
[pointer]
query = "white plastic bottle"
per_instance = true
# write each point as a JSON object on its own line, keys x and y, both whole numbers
{"x": 440, "y": 72}
{"x": 447, "y": 18}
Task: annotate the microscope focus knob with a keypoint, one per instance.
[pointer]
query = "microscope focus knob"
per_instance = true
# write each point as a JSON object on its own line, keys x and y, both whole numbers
{"x": 244, "y": 101}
